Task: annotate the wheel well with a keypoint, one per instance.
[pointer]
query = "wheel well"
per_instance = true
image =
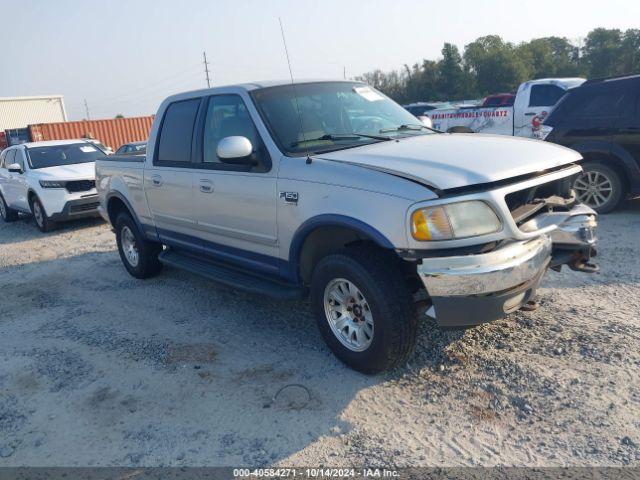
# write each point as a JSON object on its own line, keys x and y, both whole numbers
{"x": 325, "y": 241}
{"x": 31, "y": 195}
{"x": 114, "y": 208}
{"x": 609, "y": 161}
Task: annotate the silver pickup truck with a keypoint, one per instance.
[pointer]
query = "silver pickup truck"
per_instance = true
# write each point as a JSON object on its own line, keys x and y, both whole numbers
{"x": 332, "y": 190}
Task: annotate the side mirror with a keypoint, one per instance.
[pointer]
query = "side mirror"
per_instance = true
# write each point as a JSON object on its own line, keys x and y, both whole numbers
{"x": 426, "y": 121}
{"x": 15, "y": 168}
{"x": 235, "y": 150}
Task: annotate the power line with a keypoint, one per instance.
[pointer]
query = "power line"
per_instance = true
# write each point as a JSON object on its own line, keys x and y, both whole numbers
{"x": 86, "y": 108}
{"x": 133, "y": 92}
{"x": 206, "y": 69}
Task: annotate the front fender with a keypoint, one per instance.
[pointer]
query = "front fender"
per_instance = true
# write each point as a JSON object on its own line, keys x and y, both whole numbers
{"x": 329, "y": 220}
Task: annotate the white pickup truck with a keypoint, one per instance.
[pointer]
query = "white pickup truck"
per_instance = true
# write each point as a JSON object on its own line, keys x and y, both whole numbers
{"x": 332, "y": 190}
{"x": 534, "y": 101}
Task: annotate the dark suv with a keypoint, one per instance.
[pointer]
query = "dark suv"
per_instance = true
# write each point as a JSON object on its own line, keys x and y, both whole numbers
{"x": 601, "y": 120}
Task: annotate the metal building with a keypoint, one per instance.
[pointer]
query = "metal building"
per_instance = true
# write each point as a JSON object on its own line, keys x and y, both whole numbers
{"x": 19, "y": 112}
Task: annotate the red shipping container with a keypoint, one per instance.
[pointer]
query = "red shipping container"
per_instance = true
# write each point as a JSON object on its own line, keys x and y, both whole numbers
{"x": 112, "y": 133}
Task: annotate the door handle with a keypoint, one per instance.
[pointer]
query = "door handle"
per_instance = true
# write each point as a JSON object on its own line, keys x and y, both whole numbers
{"x": 529, "y": 114}
{"x": 156, "y": 180}
{"x": 206, "y": 186}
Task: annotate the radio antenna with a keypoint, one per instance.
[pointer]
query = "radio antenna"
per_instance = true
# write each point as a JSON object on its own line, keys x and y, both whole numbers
{"x": 295, "y": 93}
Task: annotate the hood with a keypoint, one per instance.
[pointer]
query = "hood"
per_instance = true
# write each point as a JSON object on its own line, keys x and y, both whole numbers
{"x": 446, "y": 161}
{"x": 77, "y": 171}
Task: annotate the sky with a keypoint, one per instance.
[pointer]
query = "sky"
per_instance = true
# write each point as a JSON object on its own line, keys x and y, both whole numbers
{"x": 124, "y": 57}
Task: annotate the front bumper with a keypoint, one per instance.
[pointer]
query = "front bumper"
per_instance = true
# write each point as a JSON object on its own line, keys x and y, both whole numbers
{"x": 473, "y": 289}
{"x": 80, "y": 208}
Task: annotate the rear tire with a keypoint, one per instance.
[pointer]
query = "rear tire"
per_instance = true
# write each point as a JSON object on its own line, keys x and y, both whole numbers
{"x": 599, "y": 187}
{"x": 376, "y": 304}
{"x": 7, "y": 214}
{"x": 43, "y": 222}
{"x": 139, "y": 256}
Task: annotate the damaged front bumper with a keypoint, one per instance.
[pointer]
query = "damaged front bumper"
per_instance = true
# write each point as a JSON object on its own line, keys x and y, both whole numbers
{"x": 473, "y": 289}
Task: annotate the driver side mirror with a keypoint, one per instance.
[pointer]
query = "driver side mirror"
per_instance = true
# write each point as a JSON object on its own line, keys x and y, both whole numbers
{"x": 235, "y": 150}
{"x": 14, "y": 168}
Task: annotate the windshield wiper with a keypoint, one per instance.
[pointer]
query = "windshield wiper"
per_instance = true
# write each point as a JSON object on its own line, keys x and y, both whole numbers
{"x": 341, "y": 136}
{"x": 409, "y": 126}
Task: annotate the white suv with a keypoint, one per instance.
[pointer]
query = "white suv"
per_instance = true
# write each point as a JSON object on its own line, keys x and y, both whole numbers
{"x": 54, "y": 181}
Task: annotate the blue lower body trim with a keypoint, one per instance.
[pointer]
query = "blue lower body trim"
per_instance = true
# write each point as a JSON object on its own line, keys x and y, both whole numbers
{"x": 248, "y": 260}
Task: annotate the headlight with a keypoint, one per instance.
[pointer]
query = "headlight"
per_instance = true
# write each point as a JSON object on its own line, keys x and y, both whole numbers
{"x": 52, "y": 184}
{"x": 455, "y": 220}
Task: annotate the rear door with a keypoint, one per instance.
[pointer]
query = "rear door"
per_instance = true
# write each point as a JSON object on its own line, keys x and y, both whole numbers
{"x": 168, "y": 181}
{"x": 534, "y": 102}
{"x": 235, "y": 205}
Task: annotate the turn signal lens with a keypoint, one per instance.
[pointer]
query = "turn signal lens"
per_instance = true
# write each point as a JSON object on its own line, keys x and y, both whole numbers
{"x": 431, "y": 224}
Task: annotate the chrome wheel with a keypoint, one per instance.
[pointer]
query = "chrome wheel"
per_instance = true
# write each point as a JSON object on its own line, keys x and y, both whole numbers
{"x": 593, "y": 188}
{"x": 348, "y": 314}
{"x": 129, "y": 247}
{"x": 38, "y": 213}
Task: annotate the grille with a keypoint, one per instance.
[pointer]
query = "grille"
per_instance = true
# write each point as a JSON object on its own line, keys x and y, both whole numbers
{"x": 526, "y": 204}
{"x": 87, "y": 207}
{"x": 80, "y": 185}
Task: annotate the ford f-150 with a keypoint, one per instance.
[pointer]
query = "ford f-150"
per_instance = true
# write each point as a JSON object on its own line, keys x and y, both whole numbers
{"x": 332, "y": 190}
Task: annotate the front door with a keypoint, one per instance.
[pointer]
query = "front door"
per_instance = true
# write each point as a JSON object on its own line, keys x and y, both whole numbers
{"x": 168, "y": 182}
{"x": 626, "y": 138}
{"x": 15, "y": 185}
{"x": 235, "y": 204}
{"x": 19, "y": 186}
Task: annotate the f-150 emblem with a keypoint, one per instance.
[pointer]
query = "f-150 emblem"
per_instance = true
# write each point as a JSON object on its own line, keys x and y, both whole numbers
{"x": 290, "y": 198}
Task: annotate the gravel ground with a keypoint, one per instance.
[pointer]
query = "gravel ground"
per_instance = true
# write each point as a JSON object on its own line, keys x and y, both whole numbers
{"x": 97, "y": 368}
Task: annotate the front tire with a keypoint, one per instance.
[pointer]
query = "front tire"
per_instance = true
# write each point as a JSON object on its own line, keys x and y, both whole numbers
{"x": 43, "y": 222}
{"x": 364, "y": 309}
{"x": 599, "y": 187}
{"x": 139, "y": 256}
{"x": 7, "y": 214}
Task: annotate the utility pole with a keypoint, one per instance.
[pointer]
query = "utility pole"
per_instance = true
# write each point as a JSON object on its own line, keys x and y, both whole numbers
{"x": 86, "y": 108}
{"x": 344, "y": 72}
{"x": 206, "y": 69}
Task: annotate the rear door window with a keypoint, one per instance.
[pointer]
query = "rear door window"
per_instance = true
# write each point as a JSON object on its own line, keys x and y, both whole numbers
{"x": 545, "y": 95}
{"x": 176, "y": 134}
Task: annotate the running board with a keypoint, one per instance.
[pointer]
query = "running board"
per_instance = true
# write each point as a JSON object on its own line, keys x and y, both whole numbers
{"x": 231, "y": 276}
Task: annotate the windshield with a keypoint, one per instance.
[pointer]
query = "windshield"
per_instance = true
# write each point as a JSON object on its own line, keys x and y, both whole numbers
{"x": 334, "y": 115}
{"x": 55, "y": 155}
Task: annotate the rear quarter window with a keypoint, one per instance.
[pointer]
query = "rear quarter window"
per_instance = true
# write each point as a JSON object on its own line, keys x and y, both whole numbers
{"x": 176, "y": 133}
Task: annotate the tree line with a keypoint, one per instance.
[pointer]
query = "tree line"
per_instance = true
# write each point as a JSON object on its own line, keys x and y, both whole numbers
{"x": 491, "y": 65}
